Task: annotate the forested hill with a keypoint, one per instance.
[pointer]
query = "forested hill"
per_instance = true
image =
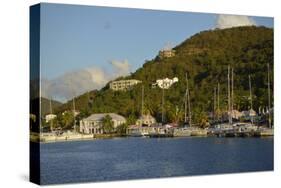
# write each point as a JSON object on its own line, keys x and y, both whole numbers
{"x": 45, "y": 105}
{"x": 205, "y": 58}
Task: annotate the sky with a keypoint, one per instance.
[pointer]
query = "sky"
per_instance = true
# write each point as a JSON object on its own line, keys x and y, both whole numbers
{"x": 84, "y": 47}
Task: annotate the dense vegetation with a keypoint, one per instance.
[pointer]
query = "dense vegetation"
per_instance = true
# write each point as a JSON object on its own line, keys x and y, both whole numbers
{"x": 205, "y": 58}
{"x": 45, "y": 105}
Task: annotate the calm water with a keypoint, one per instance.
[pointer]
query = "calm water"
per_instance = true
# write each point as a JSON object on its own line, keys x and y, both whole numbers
{"x": 135, "y": 158}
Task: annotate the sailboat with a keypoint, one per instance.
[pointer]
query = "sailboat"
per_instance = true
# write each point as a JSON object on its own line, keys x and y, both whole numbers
{"x": 267, "y": 131}
{"x": 185, "y": 131}
{"x": 138, "y": 130}
{"x": 225, "y": 129}
{"x": 188, "y": 129}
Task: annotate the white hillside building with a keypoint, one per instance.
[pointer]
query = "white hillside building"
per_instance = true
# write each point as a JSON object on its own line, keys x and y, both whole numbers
{"x": 165, "y": 83}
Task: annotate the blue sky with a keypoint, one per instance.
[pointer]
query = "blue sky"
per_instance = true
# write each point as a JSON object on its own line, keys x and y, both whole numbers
{"x": 77, "y": 37}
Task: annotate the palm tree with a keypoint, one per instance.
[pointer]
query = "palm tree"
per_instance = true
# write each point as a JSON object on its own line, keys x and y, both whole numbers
{"x": 67, "y": 120}
{"x": 147, "y": 110}
{"x": 176, "y": 115}
{"x": 107, "y": 124}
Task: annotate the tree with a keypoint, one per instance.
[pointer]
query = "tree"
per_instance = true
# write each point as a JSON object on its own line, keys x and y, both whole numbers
{"x": 121, "y": 129}
{"x": 200, "y": 118}
{"x": 131, "y": 120}
{"x": 107, "y": 124}
{"x": 66, "y": 120}
{"x": 175, "y": 114}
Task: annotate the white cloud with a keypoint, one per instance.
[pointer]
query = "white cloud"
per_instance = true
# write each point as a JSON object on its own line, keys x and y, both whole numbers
{"x": 228, "y": 21}
{"x": 121, "y": 68}
{"x": 78, "y": 82}
{"x": 74, "y": 83}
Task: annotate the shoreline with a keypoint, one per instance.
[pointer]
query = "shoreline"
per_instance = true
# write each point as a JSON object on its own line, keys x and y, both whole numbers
{"x": 80, "y": 137}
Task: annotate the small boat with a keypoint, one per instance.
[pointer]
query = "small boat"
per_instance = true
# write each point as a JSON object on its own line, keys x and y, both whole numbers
{"x": 222, "y": 130}
{"x": 182, "y": 132}
{"x": 157, "y": 132}
{"x": 264, "y": 131}
{"x": 137, "y": 131}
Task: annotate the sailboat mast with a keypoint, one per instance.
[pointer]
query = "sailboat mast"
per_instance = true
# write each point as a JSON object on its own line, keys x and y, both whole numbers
{"x": 74, "y": 123}
{"x": 142, "y": 95}
{"x": 228, "y": 92}
{"x": 163, "y": 104}
{"x": 251, "y": 102}
{"x": 232, "y": 96}
{"x": 88, "y": 98}
{"x": 189, "y": 108}
{"x": 214, "y": 113}
{"x": 185, "y": 101}
{"x": 40, "y": 118}
{"x": 218, "y": 100}
{"x": 51, "y": 112}
{"x": 250, "y": 87}
{"x": 268, "y": 87}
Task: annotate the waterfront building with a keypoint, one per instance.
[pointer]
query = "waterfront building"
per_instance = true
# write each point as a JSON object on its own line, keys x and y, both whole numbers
{"x": 50, "y": 117}
{"x": 93, "y": 123}
{"x": 249, "y": 113}
{"x": 146, "y": 120}
{"x": 235, "y": 114}
{"x": 121, "y": 85}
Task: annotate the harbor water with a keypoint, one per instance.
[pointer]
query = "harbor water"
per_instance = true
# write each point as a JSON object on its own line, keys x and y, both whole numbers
{"x": 138, "y": 158}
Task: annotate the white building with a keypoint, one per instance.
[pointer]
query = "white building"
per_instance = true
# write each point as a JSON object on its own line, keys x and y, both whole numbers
{"x": 249, "y": 113}
{"x": 50, "y": 117}
{"x": 236, "y": 114}
{"x": 165, "y": 83}
{"x": 146, "y": 120}
{"x": 93, "y": 123}
{"x": 166, "y": 53}
{"x": 121, "y": 85}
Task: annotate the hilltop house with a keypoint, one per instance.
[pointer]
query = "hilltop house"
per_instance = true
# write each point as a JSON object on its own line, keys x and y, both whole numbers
{"x": 166, "y": 53}
{"x": 122, "y": 85}
{"x": 93, "y": 123}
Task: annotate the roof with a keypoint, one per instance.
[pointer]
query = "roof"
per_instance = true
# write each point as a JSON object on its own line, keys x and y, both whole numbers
{"x": 130, "y": 80}
{"x": 98, "y": 117}
{"x": 146, "y": 117}
{"x": 250, "y": 112}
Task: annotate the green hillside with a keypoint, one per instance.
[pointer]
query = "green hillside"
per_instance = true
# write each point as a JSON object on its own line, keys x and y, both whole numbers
{"x": 205, "y": 58}
{"x": 45, "y": 105}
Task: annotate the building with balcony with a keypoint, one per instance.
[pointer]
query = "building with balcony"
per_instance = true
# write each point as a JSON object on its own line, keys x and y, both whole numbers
{"x": 166, "y": 53}
{"x": 122, "y": 85}
{"x": 93, "y": 123}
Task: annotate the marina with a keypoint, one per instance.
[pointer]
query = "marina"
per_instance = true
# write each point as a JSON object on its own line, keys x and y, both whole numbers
{"x": 227, "y": 123}
{"x": 236, "y": 130}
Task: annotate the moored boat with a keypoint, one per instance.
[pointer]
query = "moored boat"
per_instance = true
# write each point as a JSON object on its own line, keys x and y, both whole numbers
{"x": 182, "y": 132}
{"x": 264, "y": 131}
